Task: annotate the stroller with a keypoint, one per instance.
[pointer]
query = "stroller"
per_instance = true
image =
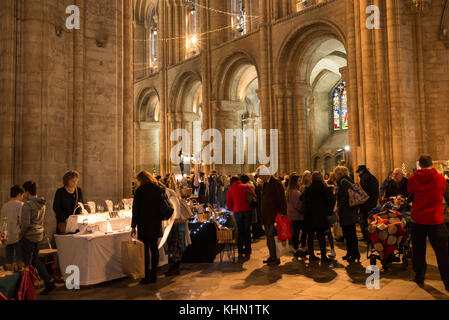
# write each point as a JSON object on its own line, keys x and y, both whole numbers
{"x": 390, "y": 237}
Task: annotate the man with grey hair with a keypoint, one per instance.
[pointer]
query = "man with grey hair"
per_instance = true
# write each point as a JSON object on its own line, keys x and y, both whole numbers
{"x": 397, "y": 185}
{"x": 272, "y": 202}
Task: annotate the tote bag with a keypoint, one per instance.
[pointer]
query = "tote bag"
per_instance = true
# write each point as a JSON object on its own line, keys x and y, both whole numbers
{"x": 282, "y": 247}
{"x": 133, "y": 259}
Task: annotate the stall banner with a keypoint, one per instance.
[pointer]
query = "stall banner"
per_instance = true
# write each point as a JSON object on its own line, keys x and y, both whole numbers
{"x": 133, "y": 259}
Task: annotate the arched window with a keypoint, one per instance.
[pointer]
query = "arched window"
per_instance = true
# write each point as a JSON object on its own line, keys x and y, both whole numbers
{"x": 340, "y": 107}
{"x": 192, "y": 29}
{"x": 238, "y": 19}
{"x": 153, "y": 38}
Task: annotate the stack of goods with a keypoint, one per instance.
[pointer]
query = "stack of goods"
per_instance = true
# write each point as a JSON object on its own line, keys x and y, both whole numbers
{"x": 387, "y": 229}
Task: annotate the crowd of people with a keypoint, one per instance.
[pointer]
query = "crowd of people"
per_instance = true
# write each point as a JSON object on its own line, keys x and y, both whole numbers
{"x": 314, "y": 204}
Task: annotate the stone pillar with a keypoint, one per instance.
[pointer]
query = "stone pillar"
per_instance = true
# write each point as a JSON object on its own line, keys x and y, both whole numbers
{"x": 7, "y": 92}
{"x": 177, "y": 29}
{"x": 163, "y": 60}
{"x": 170, "y": 33}
{"x": 248, "y": 15}
{"x": 303, "y": 93}
{"x": 229, "y": 116}
{"x": 127, "y": 103}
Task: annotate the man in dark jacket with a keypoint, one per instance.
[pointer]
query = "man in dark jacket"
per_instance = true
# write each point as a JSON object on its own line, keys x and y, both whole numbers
{"x": 370, "y": 185}
{"x": 272, "y": 202}
{"x": 397, "y": 185}
{"x": 428, "y": 188}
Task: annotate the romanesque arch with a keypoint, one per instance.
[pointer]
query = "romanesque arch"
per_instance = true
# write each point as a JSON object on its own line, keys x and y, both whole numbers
{"x": 310, "y": 64}
{"x": 185, "y": 110}
{"x": 147, "y": 131}
{"x": 237, "y": 105}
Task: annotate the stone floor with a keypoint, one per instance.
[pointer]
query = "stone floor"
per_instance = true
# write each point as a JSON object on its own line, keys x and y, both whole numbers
{"x": 252, "y": 280}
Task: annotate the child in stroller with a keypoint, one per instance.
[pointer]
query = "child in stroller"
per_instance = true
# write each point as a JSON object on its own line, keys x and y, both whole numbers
{"x": 388, "y": 232}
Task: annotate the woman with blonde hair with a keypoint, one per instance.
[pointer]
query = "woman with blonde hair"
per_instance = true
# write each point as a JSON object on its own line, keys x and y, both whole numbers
{"x": 148, "y": 220}
{"x": 306, "y": 181}
{"x": 347, "y": 215}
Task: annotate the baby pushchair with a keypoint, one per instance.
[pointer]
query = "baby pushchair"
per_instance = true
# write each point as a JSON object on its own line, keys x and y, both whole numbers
{"x": 390, "y": 237}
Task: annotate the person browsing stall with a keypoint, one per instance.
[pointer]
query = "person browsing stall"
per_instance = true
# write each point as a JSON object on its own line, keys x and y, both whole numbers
{"x": 66, "y": 200}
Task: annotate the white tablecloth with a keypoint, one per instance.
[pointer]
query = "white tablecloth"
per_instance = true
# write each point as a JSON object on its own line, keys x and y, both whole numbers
{"x": 98, "y": 256}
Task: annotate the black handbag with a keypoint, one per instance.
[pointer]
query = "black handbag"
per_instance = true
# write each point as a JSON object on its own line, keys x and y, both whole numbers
{"x": 166, "y": 209}
{"x": 251, "y": 198}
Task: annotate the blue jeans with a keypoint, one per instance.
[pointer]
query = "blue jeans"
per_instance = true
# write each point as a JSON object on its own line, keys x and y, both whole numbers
{"x": 29, "y": 254}
{"x": 244, "y": 220}
{"x": 10, "y": 250}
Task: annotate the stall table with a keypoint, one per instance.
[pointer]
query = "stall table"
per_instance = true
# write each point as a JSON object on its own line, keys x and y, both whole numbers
{"x": 97, "y": 255}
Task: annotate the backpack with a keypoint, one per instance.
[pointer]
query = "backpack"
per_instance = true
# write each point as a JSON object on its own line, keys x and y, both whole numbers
{"x": 357, "y": 196}
{"x": 166, "y": 209}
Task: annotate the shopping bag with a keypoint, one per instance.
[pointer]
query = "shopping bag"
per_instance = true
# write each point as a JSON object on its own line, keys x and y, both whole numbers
{"x": 282, "y": 247}
{"x": 338, "y": 230}
{"x": 283, "y": 227}
{"x": 133, "y": 259}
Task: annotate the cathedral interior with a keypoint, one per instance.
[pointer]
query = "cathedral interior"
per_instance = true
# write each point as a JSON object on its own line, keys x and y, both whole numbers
{"x": 342, "y": 81}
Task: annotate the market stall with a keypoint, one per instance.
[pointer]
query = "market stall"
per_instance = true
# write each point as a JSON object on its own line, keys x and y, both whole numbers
{"x": 96, "y": 248}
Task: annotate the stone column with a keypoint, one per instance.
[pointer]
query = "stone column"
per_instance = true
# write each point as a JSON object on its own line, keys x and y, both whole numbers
{"x": 303, "y": 93}
{"x": 128, "y": 93}
{"x": 229, "y": 116}
{"x": 248, "y": 15}
{"x": 162, "y": 60}
{"x": 7, "y": 92}
{"x": 177, "y": 28}
{"x": 170, "y": 33}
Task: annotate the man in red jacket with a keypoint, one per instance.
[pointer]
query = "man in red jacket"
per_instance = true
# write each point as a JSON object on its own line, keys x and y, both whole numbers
{"x": 237, "y": 202}
{"x": 428, "y": 187}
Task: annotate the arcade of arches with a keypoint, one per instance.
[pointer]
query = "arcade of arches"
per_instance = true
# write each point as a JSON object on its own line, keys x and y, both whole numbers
{"x": 105, "y": 99}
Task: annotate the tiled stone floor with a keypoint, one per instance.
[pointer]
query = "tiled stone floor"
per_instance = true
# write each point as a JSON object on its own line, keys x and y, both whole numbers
{"x": 252, "y": 280}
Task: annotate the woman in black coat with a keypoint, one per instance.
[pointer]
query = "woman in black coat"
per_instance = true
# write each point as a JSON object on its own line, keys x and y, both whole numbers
{"x": 148, "y": 220}
{"x": 317, "y": 209}
{"x": 347, "y": 215}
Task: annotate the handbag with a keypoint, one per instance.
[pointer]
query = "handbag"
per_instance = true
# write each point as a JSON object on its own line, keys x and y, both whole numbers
{"x": 357, "y": 196}
{"x": 166, "y": 208}
{"x": 283, "y": 227}
{"x": 338, "y": 230}
{"x": 251, "y": 198}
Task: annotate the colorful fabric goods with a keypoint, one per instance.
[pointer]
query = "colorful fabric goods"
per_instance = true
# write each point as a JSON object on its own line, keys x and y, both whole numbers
{"x": 386, "y": 232}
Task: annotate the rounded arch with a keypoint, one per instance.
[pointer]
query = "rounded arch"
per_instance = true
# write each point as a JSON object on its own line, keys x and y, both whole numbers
{"x": 143, "y": 10}
{"x": 185, "y": 92}
{"x": 234, "y": 74}
{"x": 302, "y": 46}
{"x": 147, "y": 105}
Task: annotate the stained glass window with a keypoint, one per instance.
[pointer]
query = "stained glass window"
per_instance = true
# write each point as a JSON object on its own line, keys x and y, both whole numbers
{"x": 340, "y": 107}
{"x": 337, "y": 110}
{"x": 344, "y": 109}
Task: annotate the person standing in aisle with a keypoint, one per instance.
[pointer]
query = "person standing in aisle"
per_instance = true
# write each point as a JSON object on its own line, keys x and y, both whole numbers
{"x": 318, "y": 206}
{"x": 66, "y": 200}
{"x": 237, "y": 202}
{"x": 12, "y": 210}
{"x": 428, "y": 188}
{"x": 294, "y": 212}
{"x": 370, "y": 185}
{"x": 148, "y": 221}
{"x": 346, "y": 214}
{"x": 32, "y": 232}
{"x": 272, "y": 202}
